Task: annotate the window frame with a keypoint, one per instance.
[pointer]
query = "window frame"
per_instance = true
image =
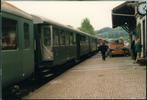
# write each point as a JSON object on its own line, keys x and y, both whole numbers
{"x": 74, "y": 36}
{"x": 48, "y": 47}
{"x": 62, "y": 41}
{"x": 71, "y": 38}
{"x": 42, "y": 34}
{"x": 56, "y": 32}
{"x": 29, "y": 28}
{"x": 67, "y": 40}
{"x": 12, "y": 18}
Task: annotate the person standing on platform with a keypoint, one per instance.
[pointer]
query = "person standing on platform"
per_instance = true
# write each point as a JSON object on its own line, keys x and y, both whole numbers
{"x": 133, "y": 50}
{"x": 138, "y": 48}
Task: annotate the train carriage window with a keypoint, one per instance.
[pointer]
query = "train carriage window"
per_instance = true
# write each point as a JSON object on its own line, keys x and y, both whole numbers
{"x": 87, "y": 40}
{"x": 71, "y": 39}
{"x": 74, "y": 40}
{"x": 56, "y": 36}
{"x": 26, "y": 36}
{"x": 67, "y": 38}
{"x": 82, "y": 40}
{"x": 47, "y": 53}
{"x": 62, "y": 38}
{"x": 9, "y": 34}
{"x": 46, "y": 36}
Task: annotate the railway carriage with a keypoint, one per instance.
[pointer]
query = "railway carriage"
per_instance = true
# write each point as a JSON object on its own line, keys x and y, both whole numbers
{"x": 87, "y": 44}
{"x": 17, "y": 45}
{"x": 33, "y": 45}
{"x": 55, "y": 44}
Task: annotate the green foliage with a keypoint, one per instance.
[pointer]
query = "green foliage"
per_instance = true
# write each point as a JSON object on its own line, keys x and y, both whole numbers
{"x": 87, "y": 27}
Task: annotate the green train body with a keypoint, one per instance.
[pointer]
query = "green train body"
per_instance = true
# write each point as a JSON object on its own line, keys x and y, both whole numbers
{"x": 17, "y": 45}
{"x": 37, "y": 45}
{"x": 63, "y": 44}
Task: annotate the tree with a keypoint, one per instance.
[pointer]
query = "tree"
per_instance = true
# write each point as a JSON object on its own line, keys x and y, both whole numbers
{"x": 87, "y": 27}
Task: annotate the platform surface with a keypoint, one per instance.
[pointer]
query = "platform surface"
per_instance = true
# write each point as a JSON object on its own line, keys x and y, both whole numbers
{"x": 115, "y": 78}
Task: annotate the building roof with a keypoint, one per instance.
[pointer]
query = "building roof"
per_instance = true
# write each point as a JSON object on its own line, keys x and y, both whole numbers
{"x": 9, "y": 8}
{"x": 124, "y": 15}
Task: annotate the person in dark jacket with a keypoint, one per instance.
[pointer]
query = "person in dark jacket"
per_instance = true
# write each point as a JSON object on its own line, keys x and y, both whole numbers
{"x": 103, "y": 48}
{"x": 134, "y": 55}
{"x": 138, "y": 48}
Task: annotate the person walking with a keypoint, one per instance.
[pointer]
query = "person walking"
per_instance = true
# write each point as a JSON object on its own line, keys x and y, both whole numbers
{"x": 138, "y": 48}
{"x": 103, "y": 48}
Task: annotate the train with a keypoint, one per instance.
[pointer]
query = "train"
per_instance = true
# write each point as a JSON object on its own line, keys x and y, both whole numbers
{"x": 33, "y": 45}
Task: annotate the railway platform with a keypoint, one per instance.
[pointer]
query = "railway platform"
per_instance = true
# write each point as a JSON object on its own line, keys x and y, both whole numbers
{"x": 115, "y": 78}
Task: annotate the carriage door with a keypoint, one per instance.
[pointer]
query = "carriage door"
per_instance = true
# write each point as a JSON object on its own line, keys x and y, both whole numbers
{"x": 27, "y": 49}
{"x": 11, "y": 60}
{"x": 46, "y": 43}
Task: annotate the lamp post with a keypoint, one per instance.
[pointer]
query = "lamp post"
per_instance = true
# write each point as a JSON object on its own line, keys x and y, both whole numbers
{"x": 145, "y": 8}
{"x": 142, "y": 10}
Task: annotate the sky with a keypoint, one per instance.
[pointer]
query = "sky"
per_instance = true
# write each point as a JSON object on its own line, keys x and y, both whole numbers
{"x": 72, "y": 12}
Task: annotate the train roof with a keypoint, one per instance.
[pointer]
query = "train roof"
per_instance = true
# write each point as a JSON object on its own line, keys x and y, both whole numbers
{"x": 9, "y": 8}
{"x": 39, "y": 19}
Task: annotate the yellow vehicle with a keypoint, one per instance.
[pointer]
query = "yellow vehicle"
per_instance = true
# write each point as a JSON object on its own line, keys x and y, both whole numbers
{"x": 117, "y": 47}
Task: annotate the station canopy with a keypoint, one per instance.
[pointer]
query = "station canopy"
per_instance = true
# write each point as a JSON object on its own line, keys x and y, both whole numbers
{"x": 124, "y": 16}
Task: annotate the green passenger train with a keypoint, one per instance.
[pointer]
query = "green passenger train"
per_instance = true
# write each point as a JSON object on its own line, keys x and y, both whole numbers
{"x": 33, "y": 45}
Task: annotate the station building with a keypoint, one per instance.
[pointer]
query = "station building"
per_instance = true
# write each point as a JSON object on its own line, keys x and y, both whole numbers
{"x": 128, "y": 17}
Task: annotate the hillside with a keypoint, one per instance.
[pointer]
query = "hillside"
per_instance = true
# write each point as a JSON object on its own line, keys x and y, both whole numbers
{"x": 110, "y": 33}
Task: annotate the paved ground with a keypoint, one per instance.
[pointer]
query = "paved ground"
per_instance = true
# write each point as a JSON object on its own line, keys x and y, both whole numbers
{"x": 116, "y": 78}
